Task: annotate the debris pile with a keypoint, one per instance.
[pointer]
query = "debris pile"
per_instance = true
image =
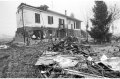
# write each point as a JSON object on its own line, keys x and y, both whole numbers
{"x": 4, "y": 46}
{"x": 70, "y": 46}
{"x": 68, "y": 59}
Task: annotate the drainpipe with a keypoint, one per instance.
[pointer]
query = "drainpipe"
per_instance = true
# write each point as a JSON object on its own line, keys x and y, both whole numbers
{"x": 23, "y": 25}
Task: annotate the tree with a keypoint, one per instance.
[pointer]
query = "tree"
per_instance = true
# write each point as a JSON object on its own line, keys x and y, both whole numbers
{"x": 100, "y": 22}
{"x": 72, "y": 15}
{"x": 43, "y": 7}
{"x": 115, "y": 12}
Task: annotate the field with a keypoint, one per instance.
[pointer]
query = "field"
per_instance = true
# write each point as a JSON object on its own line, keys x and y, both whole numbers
{"x": 18, "y": 62}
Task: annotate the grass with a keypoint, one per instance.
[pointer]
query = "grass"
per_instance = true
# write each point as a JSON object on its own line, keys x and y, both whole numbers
{"x": 18, "y": 62}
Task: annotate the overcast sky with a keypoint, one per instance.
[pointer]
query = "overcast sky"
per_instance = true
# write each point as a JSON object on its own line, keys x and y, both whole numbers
{"x": 80, "y": 8}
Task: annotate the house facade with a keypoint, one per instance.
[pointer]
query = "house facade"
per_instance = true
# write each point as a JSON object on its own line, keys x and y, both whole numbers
{"x": 44, "y": 23}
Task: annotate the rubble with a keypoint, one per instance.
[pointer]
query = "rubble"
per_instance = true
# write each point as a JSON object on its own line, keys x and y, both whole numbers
{"x": 65, "y": 62}
{"x": 69, "y": 59}
{"x": 113, "y": 63}
{"x": 45, "y": 61}
{"x": 4, "y": 46}
{"x": 104, "y": 57}
{"x": 50, "y": 53}
{"x": 42, "y": 62}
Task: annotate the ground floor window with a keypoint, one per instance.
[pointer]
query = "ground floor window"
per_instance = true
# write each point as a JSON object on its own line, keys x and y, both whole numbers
{"x": 49, "y": 31}
{"x": 61, "y": 33}
{"x": 37, "y": 34}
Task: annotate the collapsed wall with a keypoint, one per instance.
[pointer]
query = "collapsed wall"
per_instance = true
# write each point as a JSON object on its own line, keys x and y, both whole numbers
{"x": 26, "y": 34}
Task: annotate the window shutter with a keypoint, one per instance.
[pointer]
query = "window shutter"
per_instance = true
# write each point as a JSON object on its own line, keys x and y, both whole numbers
{"x": 37, "y": 18}
{"x": 74, "y": 26}
{"x": 63, "y": 23}
{"x": 52, "y": 19}
{"x": 48, "y": 19}
{"x": 77, "y": 26}
{"x": 59, "y": 21}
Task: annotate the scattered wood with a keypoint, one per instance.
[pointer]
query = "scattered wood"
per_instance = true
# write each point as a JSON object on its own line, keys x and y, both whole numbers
{"x": 66, "y": 54}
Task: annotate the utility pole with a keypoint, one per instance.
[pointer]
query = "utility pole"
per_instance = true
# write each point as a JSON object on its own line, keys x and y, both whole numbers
{"x": 23, "y": 25}
{"x": 66, "y": 24}
{"x": 87, "y": 25}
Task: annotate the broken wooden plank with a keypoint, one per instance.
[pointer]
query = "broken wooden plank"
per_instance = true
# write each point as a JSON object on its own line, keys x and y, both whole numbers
{"x": 86, "y": 75}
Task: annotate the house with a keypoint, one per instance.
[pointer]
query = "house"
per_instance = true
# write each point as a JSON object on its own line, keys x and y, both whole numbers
{"x": 42, "y": 22}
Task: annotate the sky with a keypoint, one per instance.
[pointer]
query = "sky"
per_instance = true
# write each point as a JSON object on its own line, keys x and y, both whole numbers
{"x": 80, "y": 8}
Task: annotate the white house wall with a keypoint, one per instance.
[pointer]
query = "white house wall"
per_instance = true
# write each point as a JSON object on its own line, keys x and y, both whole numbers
{"x": 69, "y": 24}
{"x": 29, "y": 19}
{"x": 19, "y": 19}
{"x": 72, "y": 22}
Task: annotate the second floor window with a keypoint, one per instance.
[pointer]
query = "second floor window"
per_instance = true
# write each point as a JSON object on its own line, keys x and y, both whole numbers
{"x": 37, "y": 18}
{"x": 61, "y": 21}
{"x": 50, "y": 19}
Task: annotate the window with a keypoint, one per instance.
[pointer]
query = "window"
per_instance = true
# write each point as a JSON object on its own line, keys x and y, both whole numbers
{"x": 37, "y": 34}
{"x": 61, "y": 23}
{"x": 49, "y": 31}
{"x": 71, "y": 26}
{"x": 77, "y": 25}
{"x": 74, "y": 25}
{"x": 37, "y": 18}
{"x": 50, "y": 19}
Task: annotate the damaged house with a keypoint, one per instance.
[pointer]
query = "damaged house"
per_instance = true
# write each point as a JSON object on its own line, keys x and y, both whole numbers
{"x": 40, "y": 22}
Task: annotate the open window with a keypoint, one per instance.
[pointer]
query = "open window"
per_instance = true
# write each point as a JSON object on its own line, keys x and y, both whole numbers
{"x": 37, "y": 34}
{"x": 49, "y": 31}
{"x": 61, "y": 23}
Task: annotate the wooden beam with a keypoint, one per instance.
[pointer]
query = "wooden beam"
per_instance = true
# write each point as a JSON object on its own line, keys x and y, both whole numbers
{"x": 86, "y": 75}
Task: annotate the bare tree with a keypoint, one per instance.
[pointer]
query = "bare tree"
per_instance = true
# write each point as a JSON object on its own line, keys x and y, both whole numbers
{"x": 114, "y": 11}
{"x": 72, "y": 15}
{"x": 86, "y": 17}
{"x": 87, "y": 26}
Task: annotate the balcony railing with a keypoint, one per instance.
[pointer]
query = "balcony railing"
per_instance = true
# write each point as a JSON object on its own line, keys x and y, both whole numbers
{"x": 62, "y": 26}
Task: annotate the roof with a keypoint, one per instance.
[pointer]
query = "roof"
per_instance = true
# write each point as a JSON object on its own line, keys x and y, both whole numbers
{"x": 50, "y": 11}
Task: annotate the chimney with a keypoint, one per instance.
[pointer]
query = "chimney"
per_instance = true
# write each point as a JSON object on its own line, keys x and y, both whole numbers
{"x": 66, "y": 12}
